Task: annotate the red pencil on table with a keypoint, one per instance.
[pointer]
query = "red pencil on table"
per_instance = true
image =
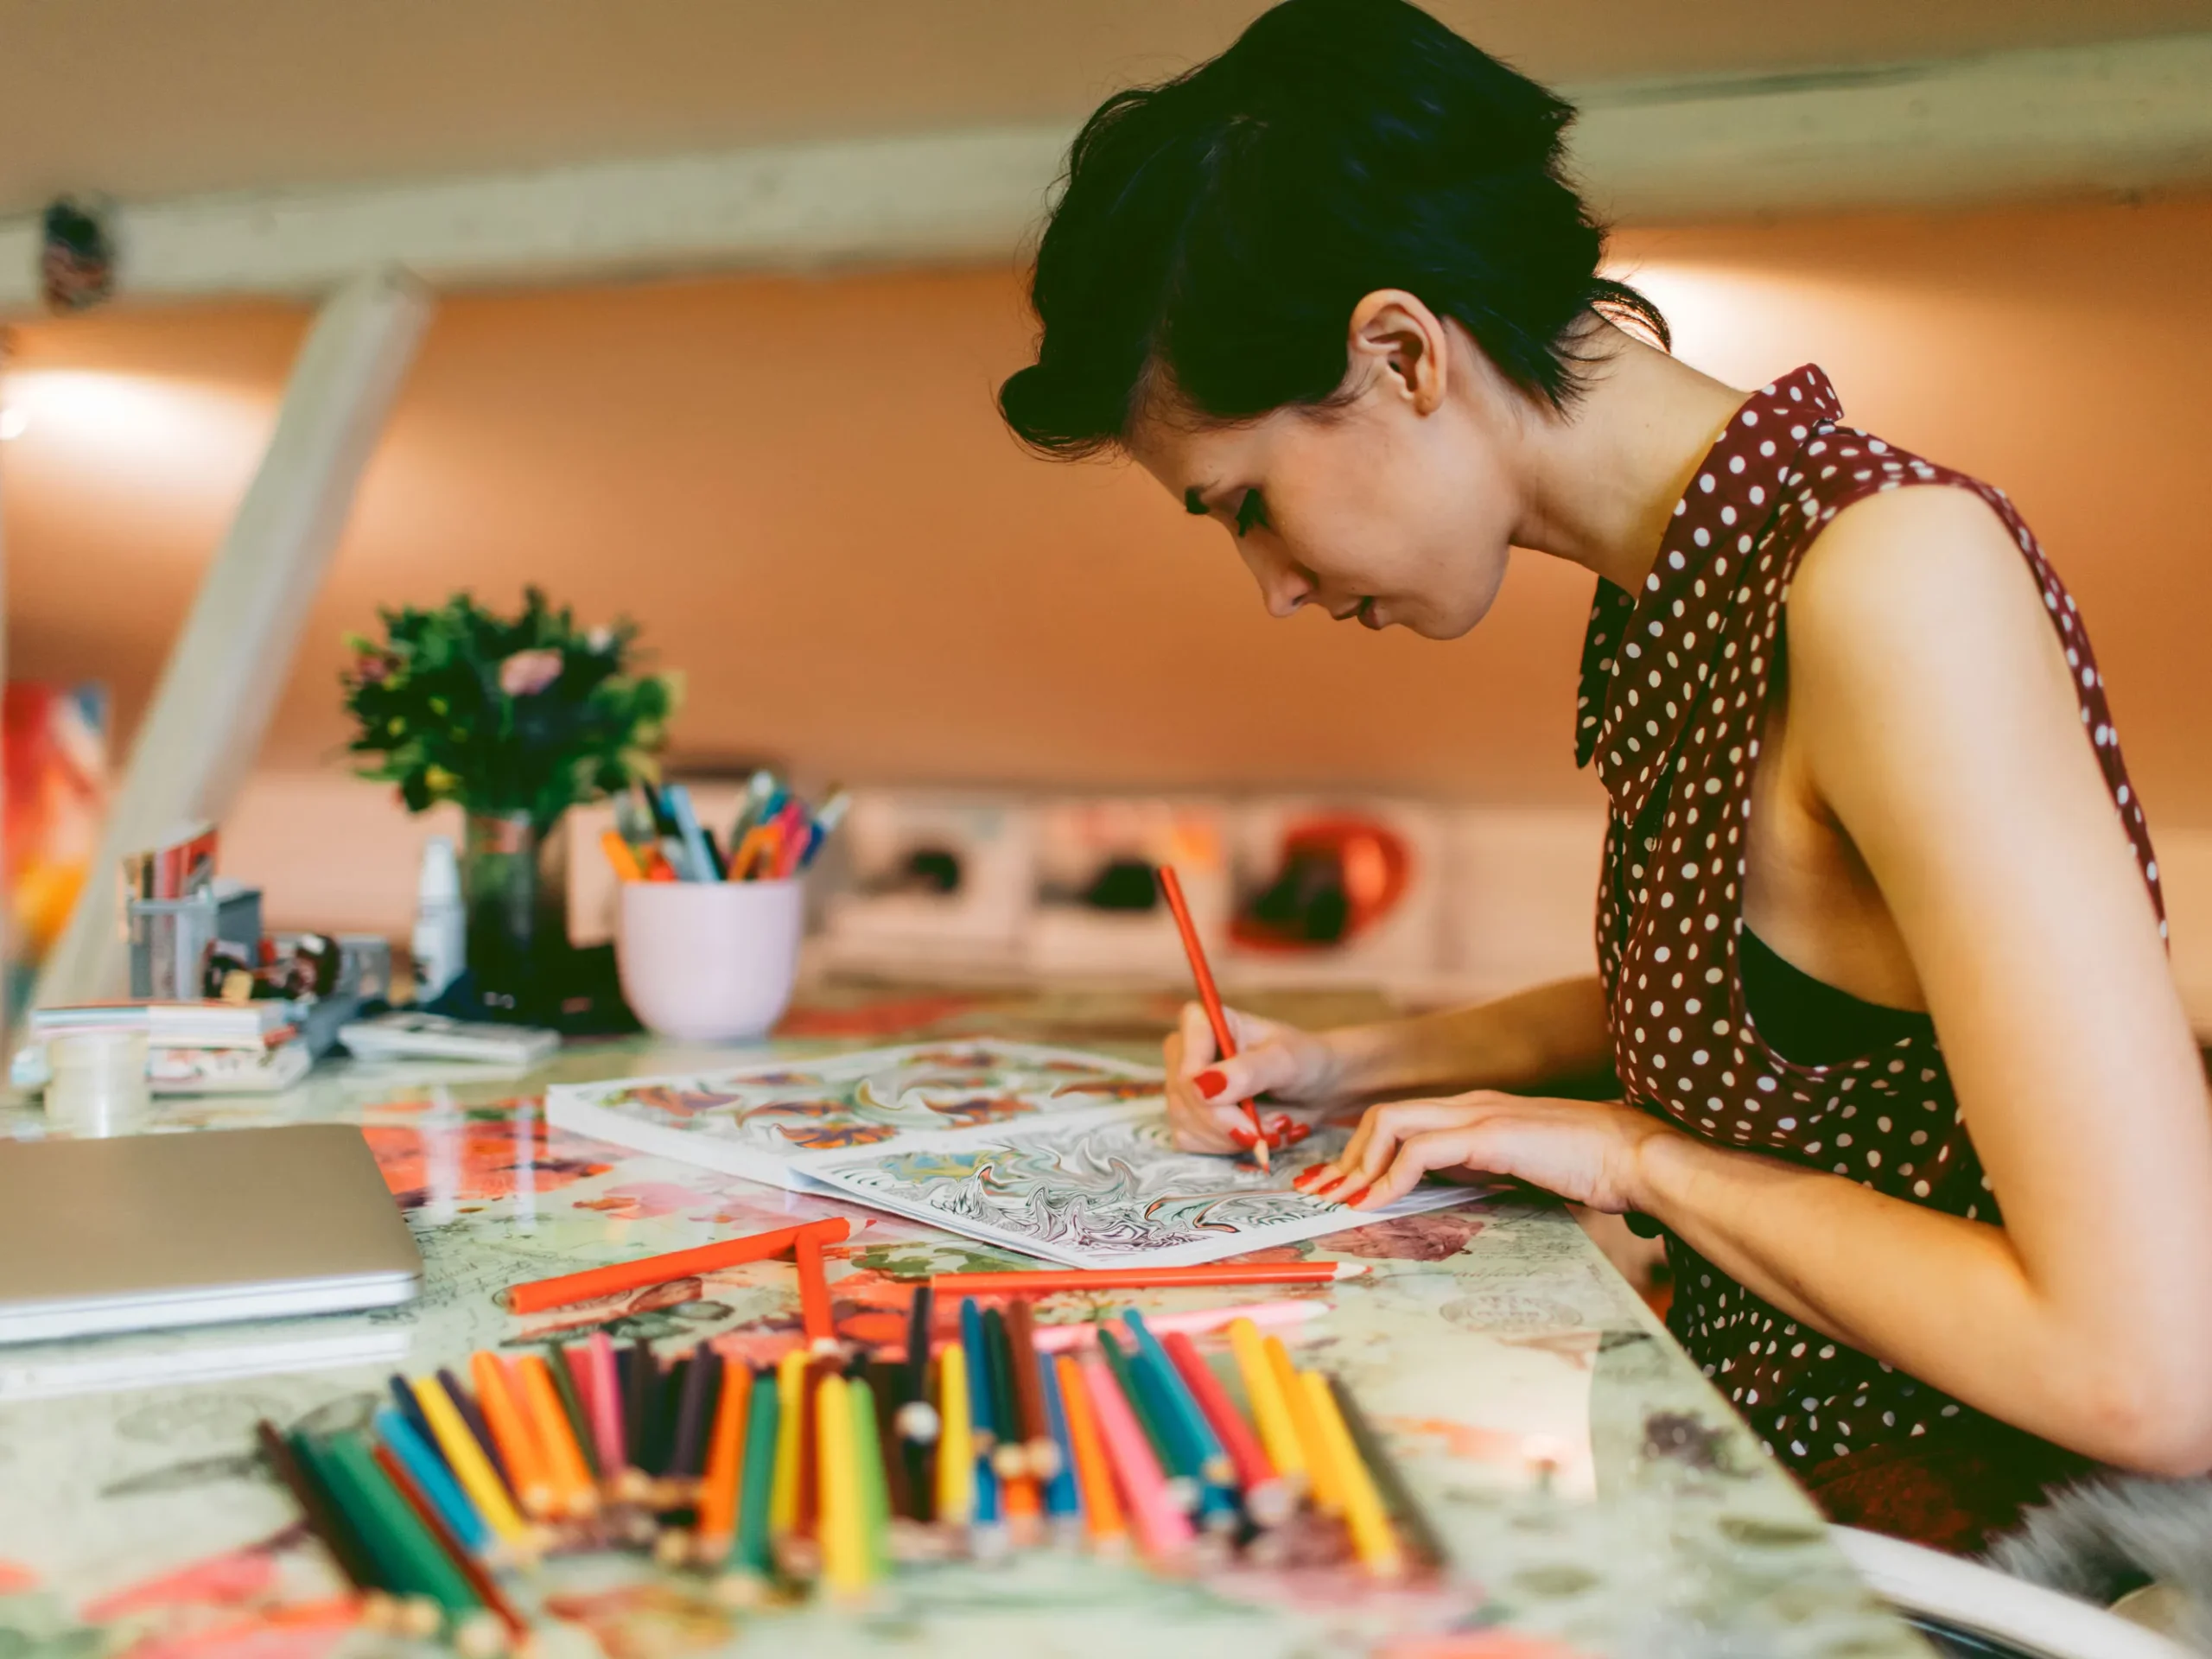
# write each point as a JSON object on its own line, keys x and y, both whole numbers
{"x": 815, "y": 1315}
{"x": 1172, "y": 889}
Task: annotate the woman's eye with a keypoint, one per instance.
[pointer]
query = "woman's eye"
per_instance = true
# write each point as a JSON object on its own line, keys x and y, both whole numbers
{"x": 1251, "y": 511}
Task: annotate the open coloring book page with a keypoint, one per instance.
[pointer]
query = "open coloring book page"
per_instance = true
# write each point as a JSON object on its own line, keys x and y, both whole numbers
{"x": 778, "y": 1120}
{"x": 1049, "y": 1152}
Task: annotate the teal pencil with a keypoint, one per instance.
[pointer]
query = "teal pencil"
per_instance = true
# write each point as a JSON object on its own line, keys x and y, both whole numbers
{"x": 1215, "y": 1465}
{"x": 429, "y": 1471}
{"x": 1182, "y": 1482}
{"x": 749, "y": 1554}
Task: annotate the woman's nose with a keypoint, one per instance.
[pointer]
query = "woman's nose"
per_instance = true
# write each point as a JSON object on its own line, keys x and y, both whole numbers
{"x": 1284, "y": 585}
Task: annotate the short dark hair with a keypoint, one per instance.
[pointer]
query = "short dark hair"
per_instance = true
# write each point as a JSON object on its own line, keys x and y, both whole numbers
{"x": 1215, "y": 232}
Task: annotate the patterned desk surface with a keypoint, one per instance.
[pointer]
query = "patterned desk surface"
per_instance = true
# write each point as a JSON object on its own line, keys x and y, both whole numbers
{"x": 1600, "y": 1497}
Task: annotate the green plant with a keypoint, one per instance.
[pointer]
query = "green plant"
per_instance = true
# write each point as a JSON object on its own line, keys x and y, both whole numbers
{"x": 504, "y": 714}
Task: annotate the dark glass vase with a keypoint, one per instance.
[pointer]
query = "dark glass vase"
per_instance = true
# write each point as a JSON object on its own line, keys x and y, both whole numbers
{"x": 514, "y": 881}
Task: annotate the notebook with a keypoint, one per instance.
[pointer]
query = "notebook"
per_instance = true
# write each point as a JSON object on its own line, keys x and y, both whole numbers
{"x": 146, "y": 1231}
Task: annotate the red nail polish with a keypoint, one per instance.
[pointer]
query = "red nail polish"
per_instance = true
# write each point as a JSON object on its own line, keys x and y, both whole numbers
{"x": 1244, "y": 1138}
{"x": 1298, "y": 1132}
{"x": 1350, "y": 1199}
{"x": 1210, "y": 1083}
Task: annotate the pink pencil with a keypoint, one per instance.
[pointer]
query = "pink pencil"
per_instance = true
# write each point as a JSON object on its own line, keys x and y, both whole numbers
{"x": 605, "y": 1405}
{"x": 1165, "y": 1529}
{"x": 1063, "y": 1338}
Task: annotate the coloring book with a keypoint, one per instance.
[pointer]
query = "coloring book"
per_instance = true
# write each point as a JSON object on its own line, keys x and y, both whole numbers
{"x": 1050, "y": 1152}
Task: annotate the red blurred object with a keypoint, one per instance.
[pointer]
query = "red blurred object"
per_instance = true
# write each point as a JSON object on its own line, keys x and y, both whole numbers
{"x": 1337, "y": 876}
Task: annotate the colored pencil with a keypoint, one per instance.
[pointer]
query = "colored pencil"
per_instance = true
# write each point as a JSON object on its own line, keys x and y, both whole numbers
{"x": 660, "y": 1450}
{"x": 807, "y": 1525}
{"x": 1390, "y": 1481}
{"x": 816, "y": 1316}
{"x": 403, "y": 1400}
{"x": 538, "y": 1294}
{"x": 394, "y": 1567}
{"x": 1377, "y": 1546}
{"x": 687, "y": 1459}
{"x": 1270, "y": 1411}
{"x": 470, "y": 1465}
{"x": 983, "y": 1430}
{"x": 324, "y": 1519}
{"x": 1244, "y": 1450}
{"x": 1214, "y": 1464}
{"x": 619, "y": 855}
{"x": 955, "y": 1446}
{"x": 471, "y": 1416}
{"x": 570, "y": 1398}
{"x": 1009, "y": 1452}
{"x": 843, "y": 1557}
{"x": 1065, "y": 1338}
{"x": 750, "y": 1556}
{"x": 1167, "y": 1449}
{"x": 1161, "y": 1526}
{"x": 410, "y": 1552}
{"x": 885, "y": 1382}
{"x": 607, "y": 1407}
{"x": 1044, "y": 1282}
{"x": 1102, "y": 1509}
{"x": 641, "y": 1407}
{"x": 564, "y": 1459}
{"x": 1320, "y": 1468}
{"x": 475, "y": 1628}
{"x": 871, "y": 1494}
{"x": 428, "y": 1472}
{"x": 718, "y": 1489}
{"x": 511, "y": 1427}
{"x": 1043, "y": 1452}
{"x": 1063, "y": 1493}
{"x": 920, "y": 1312}
{"x": 1172, "y": 888}
{"x": 791, "y": 1390}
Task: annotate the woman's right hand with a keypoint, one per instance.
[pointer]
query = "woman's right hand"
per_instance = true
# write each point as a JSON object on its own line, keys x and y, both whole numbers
{"x": 1206, "y": 1093}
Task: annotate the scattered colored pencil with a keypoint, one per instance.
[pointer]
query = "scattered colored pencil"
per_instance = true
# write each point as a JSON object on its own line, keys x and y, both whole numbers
{"x": 1161, "y": 1525}
{"x": 1363, "y": 1515}
{"x": 511, "y": 1428}
{"x": 955, "y": 1446}
{"x": 718, "y": 1487}
{"x": 569, "y": 1289}
{"x": 1102, "y": 1508}
{"x": 1268, "y": 1498}
{"x": 324, "y": 1519}
{"x": 750, "y": 1560}
{"x": 1171, "y": 887}
{"x": 1390, "y": 1481}
{"x": 815, "y": 1315}
{"x": 470, "y": 1467}
{"x": 1270, "y": 1410}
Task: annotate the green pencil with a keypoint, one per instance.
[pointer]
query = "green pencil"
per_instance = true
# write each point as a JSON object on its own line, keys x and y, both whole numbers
{"x": 875, "y": 1497}
{"x": 749, "y": 1553}
{"x": 428, "y": 1570}
{"x": 1183, "y": 1478}
{"x": 419, "y": 1613}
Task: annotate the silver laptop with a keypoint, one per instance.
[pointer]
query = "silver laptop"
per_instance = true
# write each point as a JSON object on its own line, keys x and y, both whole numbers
{"x": 143, "y": 1231}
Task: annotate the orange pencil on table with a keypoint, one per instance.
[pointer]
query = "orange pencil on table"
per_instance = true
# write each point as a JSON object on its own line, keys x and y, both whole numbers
{"x": 513, "y": 1433}
{"x": 815, "y": 1315}
{"x": 1102, "y": 1509}
{"x": 1043, "y": 1281}
{"x": 539, "y": 1294}
{"x": 564, "y": 1458}
{"x": 725, "y": 1464}
{"x": 620, "y": 855}
{"x": 1172, "y": 888}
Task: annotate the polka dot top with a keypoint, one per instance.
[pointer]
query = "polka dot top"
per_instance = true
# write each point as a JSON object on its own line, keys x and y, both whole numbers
{"x": 1675, "y": 687}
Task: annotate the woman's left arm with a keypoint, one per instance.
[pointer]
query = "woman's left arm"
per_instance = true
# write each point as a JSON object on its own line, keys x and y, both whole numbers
{"x": 1934, "y": 710}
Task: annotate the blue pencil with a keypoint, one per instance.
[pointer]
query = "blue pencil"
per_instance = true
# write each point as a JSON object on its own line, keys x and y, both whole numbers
{"x": 981, "y": 1406}
{"x": 700, "y": 851}
{"x": 1212, "y": 1457}
{"x": 429, "y": 1473}
{"x": 1062, "y": 1496}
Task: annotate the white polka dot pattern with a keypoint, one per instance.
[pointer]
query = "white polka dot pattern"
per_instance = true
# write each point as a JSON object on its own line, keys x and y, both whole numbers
{"x": 1675, "y": 686}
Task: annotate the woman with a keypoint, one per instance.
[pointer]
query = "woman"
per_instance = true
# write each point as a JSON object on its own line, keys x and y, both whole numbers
{"x": 1901, "y": 1073}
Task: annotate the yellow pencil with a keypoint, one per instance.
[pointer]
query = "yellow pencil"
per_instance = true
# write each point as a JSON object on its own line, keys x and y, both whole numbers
{"x": 564, "y": 1458}
{"x": 725, "y": 1462}
{"x": 791, "y": 1416}
{"x": 956, "y": 1448}
{"x": 1328, "y": 1496}
{"x": 1270, "y": 1412}
{"x": 470, "y": 1467}
{"x": 1371, "y": 1528}
{"x": 844, "y": 1562}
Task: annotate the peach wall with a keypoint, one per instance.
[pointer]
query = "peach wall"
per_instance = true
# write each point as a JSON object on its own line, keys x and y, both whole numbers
{"x": 798, "y": 486}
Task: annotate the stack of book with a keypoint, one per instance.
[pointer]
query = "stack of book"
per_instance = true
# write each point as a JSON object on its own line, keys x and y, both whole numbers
{"x": 192, "y": 1048}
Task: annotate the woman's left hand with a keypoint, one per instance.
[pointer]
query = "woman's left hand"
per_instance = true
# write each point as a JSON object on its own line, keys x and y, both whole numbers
{"x": 1588, "y": 1152}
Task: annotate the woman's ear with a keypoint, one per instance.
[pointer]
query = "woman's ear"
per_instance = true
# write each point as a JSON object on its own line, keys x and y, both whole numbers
{"x": 1401, "y": 345}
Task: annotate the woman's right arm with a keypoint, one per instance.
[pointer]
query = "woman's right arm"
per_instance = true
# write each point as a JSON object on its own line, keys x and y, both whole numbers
{"x": 1552, "y": 1039}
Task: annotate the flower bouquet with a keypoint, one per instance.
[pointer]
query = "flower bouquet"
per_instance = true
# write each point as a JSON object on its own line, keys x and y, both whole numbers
{"x": 515, "y": 719}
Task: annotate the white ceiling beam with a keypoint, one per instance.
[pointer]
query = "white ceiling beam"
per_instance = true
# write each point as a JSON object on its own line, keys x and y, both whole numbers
{"x": 2121, "y": 118}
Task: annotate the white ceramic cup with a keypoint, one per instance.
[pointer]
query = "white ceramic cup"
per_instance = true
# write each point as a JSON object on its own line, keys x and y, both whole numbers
{"x": 708, "y": 962}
